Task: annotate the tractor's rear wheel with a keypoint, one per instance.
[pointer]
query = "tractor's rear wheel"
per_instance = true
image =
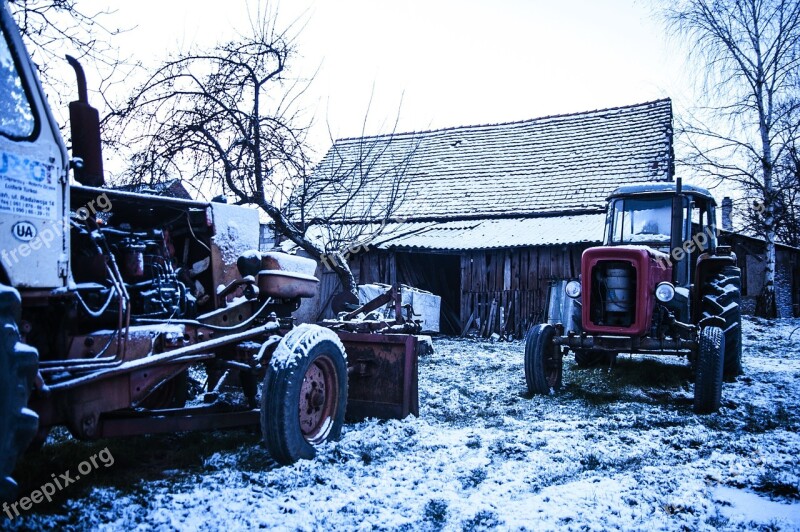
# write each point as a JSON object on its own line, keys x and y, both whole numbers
{"x": 722, "y": 294}
{"x": 18, "y": 367}
{"x": 543, "y": 360}
{"x": 708, "y": 371}
{"x": 304, "y": 397}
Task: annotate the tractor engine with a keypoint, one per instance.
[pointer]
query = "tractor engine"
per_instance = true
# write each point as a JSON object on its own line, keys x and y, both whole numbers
{"x": 619, "y": 288}
{"x": 144, "y": 260}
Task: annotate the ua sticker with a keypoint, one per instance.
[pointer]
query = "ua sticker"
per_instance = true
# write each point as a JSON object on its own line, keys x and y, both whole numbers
{"x": 24, "y": 231}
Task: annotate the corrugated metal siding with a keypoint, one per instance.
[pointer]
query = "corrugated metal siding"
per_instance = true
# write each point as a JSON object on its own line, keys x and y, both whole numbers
{"x": 494, "y": 234}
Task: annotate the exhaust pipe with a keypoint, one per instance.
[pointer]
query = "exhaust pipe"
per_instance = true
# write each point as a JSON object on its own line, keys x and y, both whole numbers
{"x": 87, "y": 152}
{"x": 677, "y": 230}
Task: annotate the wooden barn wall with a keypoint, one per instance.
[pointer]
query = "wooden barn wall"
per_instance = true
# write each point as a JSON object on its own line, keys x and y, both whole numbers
{"x": 502, "y": 291}
{"x": 374, "y": 267}
{"x": 505, "y": 291}
{"x": 517, "y": 280}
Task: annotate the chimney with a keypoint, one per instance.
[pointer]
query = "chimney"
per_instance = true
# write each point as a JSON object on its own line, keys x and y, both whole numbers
{"x": 727, "y": 214}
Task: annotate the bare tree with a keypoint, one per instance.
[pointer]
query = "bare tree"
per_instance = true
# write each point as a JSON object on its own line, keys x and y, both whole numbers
{"x": 355, "y": 191}
{"x": 51, "y": 28}
{"x": 786, "y": 201}
{"x": 750, "y": 52}
{"x": 228, "y": 121}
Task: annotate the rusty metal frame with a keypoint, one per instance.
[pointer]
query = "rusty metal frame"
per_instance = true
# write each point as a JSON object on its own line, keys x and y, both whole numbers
{"x": 628, "y": 344}
{"x": 392, "y": 295}
{"x": 176, "y": 356}
{"x": 383, "y": 371}
{"x": 177, "y": 419}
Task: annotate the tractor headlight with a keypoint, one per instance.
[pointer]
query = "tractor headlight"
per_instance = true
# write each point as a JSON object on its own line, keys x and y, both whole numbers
{"x": 665, "y": 292}
{"x": 573, "y": 289}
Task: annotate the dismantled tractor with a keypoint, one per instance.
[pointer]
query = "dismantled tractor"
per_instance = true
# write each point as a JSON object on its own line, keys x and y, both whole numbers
{"x": 128, "y": 313}
{"x": 661, "y": 284}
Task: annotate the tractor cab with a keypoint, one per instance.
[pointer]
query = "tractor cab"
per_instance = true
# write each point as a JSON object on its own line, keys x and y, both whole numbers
{"x": 674, "y": 219}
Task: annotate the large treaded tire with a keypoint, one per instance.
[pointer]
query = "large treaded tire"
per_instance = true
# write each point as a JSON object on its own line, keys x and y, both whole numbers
{"x": 304, "y": 397}
{"x": 18, "y": 367}
{"x": 543, "y": 360}
{"x": 722, "y": 295}
{"x": 708, "y": 371}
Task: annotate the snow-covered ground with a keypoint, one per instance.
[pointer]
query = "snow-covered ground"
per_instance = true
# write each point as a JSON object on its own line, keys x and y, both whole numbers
{"x": 619, "y": 450}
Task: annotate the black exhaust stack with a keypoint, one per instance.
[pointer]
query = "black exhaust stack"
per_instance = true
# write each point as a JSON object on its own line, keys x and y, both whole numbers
{"x": 85, "y": 126}
{"x": 676, "y": 241}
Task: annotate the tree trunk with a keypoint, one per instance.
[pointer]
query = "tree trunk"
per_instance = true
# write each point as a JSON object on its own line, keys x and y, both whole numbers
{"x": 333, "y": 261}
{"x": 767, "y": 306}
{"x": 339, "y": 265}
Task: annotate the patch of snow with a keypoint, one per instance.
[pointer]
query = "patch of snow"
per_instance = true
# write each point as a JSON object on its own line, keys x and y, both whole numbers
{"x": 614, "y": 449}
{"x": 747, "y": 506}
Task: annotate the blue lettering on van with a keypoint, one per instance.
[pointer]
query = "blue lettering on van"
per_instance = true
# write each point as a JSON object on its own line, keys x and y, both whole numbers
{"x": 14, "y": 167}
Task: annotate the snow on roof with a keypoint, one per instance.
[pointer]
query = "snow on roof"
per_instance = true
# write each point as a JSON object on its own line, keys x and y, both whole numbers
{"x": 482, "y": 234}
{"x": 544, "y": 165}
{"x": 497, "y": 233}
{"x": 662, "y": 188}
{"x": 172, "y": 188}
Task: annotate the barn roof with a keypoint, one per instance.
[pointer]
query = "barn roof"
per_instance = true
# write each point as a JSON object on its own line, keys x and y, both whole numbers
{"x": 554, "y": 165}
{"x": 477, "y": 234}
{"x": 494, "y": 233}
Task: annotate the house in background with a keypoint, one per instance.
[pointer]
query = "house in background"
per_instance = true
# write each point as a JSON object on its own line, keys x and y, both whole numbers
{"x": 750, "y": 253}
{"x": 171, "y": 188}
{"x": 494, "y": 214}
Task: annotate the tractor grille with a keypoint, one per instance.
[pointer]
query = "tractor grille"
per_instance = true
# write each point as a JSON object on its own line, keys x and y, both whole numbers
{"x": 613, "y": 294}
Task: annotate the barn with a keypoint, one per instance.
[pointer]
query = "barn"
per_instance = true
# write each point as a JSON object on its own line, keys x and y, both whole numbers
{"x": 491, "y": 215}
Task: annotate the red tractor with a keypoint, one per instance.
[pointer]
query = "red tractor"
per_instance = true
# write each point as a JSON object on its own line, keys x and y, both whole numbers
{"x": 661, "y": 284}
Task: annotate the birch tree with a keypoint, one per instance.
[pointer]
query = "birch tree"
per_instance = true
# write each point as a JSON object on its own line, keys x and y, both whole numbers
{"x": 750, "y": 53}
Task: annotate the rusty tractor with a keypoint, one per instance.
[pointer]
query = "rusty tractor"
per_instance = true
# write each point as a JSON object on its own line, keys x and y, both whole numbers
{"x": 124, "y": 313}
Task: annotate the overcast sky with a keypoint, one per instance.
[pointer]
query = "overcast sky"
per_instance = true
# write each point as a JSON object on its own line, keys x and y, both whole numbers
{"x": 450, "y": 62}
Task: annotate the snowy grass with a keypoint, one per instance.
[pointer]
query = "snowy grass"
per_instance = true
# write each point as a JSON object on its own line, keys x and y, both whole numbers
{"x": 614, "y": 449}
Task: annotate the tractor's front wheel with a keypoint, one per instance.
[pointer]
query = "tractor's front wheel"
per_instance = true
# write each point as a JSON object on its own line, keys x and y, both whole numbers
{"x": 543, "y": 360}
{"x": 18, "y": 367}
{"x": 708, "y": 371}
{"x": 304, "y": 397}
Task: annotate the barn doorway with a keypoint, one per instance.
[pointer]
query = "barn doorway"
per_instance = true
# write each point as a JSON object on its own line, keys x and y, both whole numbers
{"x": 437, "y": 273}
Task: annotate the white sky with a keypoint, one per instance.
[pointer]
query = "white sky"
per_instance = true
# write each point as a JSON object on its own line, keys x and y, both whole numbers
{"x": 451, "y": 62}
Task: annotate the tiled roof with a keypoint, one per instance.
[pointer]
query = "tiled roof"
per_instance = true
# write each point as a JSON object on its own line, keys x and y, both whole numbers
{"x": 555, "y": 164}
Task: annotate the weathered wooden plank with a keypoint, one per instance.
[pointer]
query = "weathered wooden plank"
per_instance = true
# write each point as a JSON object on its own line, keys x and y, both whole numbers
{"x": 544, "y": 264}
{"x": 533, "y": 269}
{"x": 391, "y": 269}
{"x": 468, "y": 324}
{"x": 490, "y": 321}
{"x": 507, "y": 271}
